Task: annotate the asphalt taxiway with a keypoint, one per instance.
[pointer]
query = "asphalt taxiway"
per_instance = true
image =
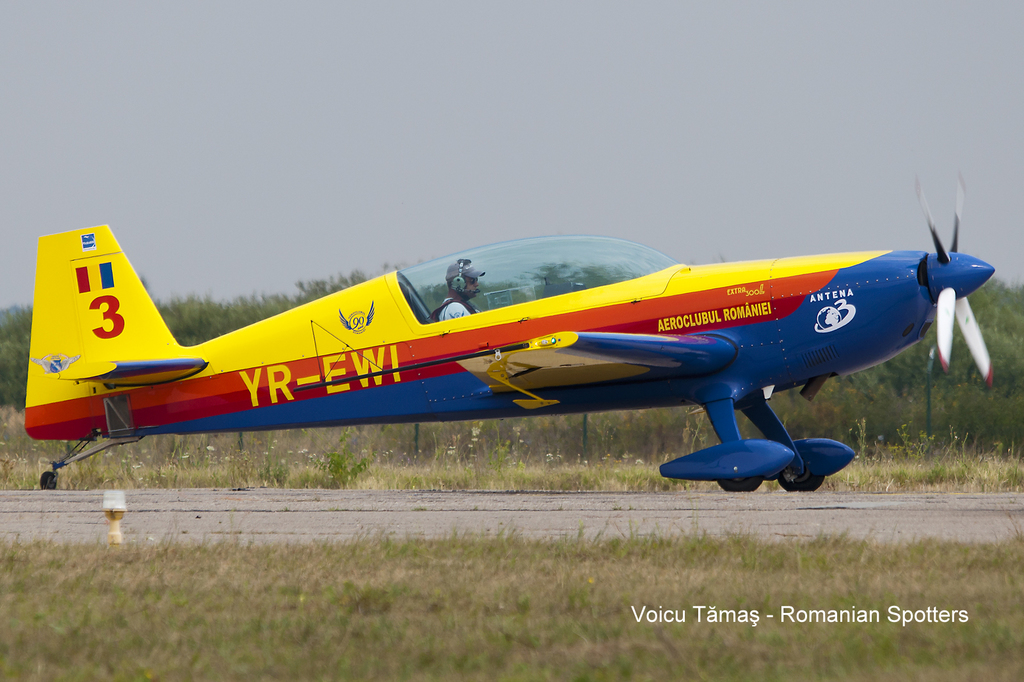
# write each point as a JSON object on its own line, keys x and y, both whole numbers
{"x": 275, "y": 515}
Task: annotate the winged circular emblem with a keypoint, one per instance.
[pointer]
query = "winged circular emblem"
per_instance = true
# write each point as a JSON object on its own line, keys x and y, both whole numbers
{"x": 358, "y": 321}
{"x": 55, "y": 363}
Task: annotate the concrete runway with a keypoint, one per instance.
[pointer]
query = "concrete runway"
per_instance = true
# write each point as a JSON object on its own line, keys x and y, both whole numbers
{"x": 275, "y": 515}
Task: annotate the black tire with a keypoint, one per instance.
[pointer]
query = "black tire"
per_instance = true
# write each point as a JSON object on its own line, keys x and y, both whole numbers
{"x": 740, "y": 485}
{"x": 805, "y": 483}
{"x": 48, "y": 481}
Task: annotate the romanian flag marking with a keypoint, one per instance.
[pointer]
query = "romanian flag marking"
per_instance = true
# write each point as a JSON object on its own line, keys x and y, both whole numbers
{"x": 106, "y": 278}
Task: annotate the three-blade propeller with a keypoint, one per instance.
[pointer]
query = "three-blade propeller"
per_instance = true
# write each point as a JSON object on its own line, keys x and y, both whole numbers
{"x": 947, "y": 304}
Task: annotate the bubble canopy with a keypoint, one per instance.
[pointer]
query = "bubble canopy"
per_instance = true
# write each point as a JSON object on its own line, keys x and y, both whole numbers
{"x": 529, "y": 269}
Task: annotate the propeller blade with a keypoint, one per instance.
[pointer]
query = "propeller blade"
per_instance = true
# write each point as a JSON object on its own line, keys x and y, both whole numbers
{"x": 941, "y": 252}
{"x": 946, "y": 306}
{"x": 972, "y": 333}
{"x": 961, "y": 190}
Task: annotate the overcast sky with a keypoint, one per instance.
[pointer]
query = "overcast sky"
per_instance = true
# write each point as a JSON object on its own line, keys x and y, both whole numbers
{"x": 237, "y": 147}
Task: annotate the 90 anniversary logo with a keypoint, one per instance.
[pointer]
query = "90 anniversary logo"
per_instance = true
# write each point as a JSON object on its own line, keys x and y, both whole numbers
{"x": 358, "y": 321}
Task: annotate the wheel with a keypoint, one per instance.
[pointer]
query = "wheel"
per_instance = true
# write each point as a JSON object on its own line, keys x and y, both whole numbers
{"x": 740, "y": 485}
{"x": 804, "y": 483}
{"x": 48, "y": 481}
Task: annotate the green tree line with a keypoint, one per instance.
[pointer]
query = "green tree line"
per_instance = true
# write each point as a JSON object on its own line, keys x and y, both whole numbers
{"x": 887, "y": 402}
{"x": 891, "y": 398}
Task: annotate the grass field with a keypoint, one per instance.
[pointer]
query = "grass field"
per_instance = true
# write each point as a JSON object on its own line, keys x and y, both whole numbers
{"x": 482, "y": 608}
{"x": 508, "y": 608}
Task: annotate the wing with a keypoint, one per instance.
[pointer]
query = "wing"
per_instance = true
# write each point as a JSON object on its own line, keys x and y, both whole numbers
{"x": 575, "y": 358}
{"x": 369, "y": 315}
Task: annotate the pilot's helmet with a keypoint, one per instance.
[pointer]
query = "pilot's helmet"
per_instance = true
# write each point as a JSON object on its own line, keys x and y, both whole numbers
{"x": 459, "y": 273}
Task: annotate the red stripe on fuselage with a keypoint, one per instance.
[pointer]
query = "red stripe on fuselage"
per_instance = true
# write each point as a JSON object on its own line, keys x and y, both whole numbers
{"x": 66, "y": 420}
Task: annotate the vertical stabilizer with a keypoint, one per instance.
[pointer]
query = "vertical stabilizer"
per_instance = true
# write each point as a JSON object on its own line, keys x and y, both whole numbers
{"x": 89, "y": 309}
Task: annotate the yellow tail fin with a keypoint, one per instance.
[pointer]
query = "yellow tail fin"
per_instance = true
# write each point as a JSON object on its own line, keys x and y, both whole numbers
{"x": 90, "y": 311}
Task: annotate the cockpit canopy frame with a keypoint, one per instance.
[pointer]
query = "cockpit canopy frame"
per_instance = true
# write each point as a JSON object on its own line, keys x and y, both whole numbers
{"x": 526, "y": 270}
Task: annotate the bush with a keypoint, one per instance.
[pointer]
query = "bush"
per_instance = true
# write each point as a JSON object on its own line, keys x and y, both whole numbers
{"x": 343, "y": 467}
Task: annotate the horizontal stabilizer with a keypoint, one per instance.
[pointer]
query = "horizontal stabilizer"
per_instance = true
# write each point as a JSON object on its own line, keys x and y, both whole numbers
{"x": 135, "y": 372}
{"x": 736, "y": 459}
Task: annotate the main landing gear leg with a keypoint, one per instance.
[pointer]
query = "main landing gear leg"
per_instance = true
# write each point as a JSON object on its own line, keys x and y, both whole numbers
{"x": 76, "y": 453}
{"x": 722, "y": 414}
{"x": 796, "y": 477}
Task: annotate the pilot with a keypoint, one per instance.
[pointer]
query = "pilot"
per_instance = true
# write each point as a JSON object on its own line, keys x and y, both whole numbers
{"x": 463, "y": 284}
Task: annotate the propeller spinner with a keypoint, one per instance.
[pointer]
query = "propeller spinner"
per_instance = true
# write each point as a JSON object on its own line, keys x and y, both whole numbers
{"x": 951, "y": 279}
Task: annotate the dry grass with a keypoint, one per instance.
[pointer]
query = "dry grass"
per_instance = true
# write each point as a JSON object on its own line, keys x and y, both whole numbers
{"x": 120, "y": 470}
{"x": 461, "y": 456}
{"x": 505, "y": 608}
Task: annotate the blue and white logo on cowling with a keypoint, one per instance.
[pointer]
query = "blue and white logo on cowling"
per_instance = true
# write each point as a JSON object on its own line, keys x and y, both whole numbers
{"x": 833, "y": 317}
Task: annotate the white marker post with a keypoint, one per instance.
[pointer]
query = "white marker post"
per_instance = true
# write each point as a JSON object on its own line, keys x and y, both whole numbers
{"x": 114, "y": 509}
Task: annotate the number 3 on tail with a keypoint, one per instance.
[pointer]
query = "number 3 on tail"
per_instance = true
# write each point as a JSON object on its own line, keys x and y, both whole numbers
{"x": 109, "y": 314}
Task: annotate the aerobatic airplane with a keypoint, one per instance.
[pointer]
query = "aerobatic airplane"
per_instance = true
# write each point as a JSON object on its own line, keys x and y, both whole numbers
{"x": 551, "y": 325}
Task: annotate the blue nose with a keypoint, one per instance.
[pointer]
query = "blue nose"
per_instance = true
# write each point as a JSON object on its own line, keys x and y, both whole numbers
{"x": 963, "y": 273}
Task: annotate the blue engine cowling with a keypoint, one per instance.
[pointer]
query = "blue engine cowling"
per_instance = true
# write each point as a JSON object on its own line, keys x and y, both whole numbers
{"x": 822, "y": 456}
{"x": 736, "y": 459}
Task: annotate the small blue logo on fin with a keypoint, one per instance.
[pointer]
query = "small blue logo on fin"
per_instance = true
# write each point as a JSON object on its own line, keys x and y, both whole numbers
{"x": 89, "y": 242}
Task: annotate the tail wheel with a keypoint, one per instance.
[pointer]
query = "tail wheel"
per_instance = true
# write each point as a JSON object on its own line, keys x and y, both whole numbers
{"x": 48, "y": 481}
{"x": 804, "y": 483}
{"x": 740, "y": 485}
